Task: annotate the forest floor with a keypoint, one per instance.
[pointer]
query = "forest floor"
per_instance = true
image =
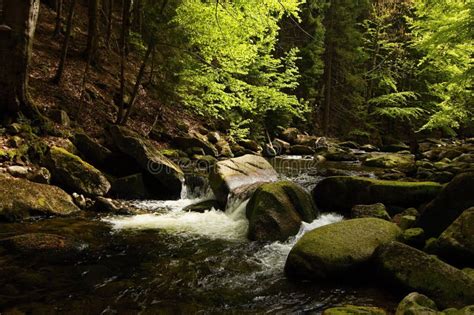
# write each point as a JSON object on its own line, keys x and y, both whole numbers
{"x": 96, "y": 108}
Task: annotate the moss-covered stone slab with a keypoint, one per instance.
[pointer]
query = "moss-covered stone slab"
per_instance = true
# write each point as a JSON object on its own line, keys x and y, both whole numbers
{"x": 354, "y": 310}
{"x": 75, "y": 174}
{"x": 415, "y": 270}
{"x": 20, "y": 199}
{"x": 341, "y": 193}
{"x": 276, "y": 210}
{"x": 337, "y": 250}
{"x": 228, "y": 175}
{"x": 456, "y": 197}
{"x": 405, "y": 162}
{"x": 376, "y": 210}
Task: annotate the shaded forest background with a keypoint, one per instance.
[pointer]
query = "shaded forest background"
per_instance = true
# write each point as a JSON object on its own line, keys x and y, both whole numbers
{"x": 366, "y": 70}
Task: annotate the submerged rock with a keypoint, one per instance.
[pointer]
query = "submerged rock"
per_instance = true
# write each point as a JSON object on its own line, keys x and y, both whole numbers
{"x": 20, "y": 199}
{"x": 456, "y": 243}
{"x": 354, "y": 310}
{"x": 276, "y": 210}
{"x": 226, "y": 176}
{"x": 416, "y": 270}
{"x": 416, "y": 303}
{"x": 168, "y": 177}
{"x": 341, "y": 193}
{"x": 75, "y": 174}
{"x": 457, "y": 196}
{"x": 338, "y": 250}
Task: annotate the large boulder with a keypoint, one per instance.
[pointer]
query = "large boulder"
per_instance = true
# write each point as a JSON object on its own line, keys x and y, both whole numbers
{"x": 130, "y": 187}
{"x": 338, "y": 250}
{"x": 92, "y": 151}
{"x": 417, "y": 271}
{"x": 229, "y": 175}
{"x": 168, "y": 177}
{"x": 276, "y": 210}
{"x": 341, "y": 193}
{"x": 196, "y": 141}
{"x": 404, "y": 162}
{"x": 416, "y": 303}
{"x": 457, "y": 196}
{"x": 20, "y": 199}
{"x": 456, "y": 243}
{"x": 75, "y": 174}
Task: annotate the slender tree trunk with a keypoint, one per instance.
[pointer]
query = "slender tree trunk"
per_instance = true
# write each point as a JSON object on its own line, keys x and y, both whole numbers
{"x": 62, "y": 60}
{"x": 123, "y": 37}
{"x": 59, "y": 9}
{"x": 137, "y": 16}
{"x": 16, "y": 40}
{"x": 110, "y": 21}
{"x": 140, "y": 75}
{"x": 93, "y": 30}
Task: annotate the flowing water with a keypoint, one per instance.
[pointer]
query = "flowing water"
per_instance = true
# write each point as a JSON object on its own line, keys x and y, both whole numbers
{"x": 172, "y": 261}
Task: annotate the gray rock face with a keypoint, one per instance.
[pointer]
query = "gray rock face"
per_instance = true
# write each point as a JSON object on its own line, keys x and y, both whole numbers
{"x": 75, "y": 174}
{"x": 339, "y": 249}
{"x": 168, "y": 176}
{"x": 20, "y": 198}
{"x": 457, "y": 196}
{"x": 418, "y": 271}
{"x": 229, "y": 175}
{"x": 276, "y": 210}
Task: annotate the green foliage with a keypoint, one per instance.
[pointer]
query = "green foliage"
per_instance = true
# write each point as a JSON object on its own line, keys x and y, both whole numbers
{"x": 444, "y": 33}
{"x": 230, "y": 63}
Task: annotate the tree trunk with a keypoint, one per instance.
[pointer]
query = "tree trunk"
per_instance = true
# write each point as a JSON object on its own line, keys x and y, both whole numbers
{"x": 93, "y": 30}
{"x": 140, "y": 75}
{"x": 62, "y": 60}
{"x": 16, "y": 40}
{"x": 137, "y": 16}
{"x": 110, "y": 10}
{"x": 123, "y": 38}
{"x": 59, "y": 9}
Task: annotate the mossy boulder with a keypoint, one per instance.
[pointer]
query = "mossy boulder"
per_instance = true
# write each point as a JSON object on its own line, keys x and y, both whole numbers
{"x": 92, "y": 151}
{"x": 457, "y": 196}
{"x": 414, "y": 237}
{"x": 164, "y": 176}
{"x": 130, "y": 187}
{"x": 276, "y": 210}
{"x": 405, "y": 162}
{"x": 20, "y": 199}
{"x": 415, "y": 270}
{"x": 74, "y": 174}
{"x": 456, "y": 243}
{"x": 338, "y": 250}
{"x": 416, "y": 303}
{"x": 341, "y": 193}
{"x": 228, "y": 175}
{"x": 354, "y": 310}
{"x": 376, "y": 210}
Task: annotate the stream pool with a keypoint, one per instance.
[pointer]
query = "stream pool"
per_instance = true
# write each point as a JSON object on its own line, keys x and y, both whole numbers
{"x": 172, "y": 261}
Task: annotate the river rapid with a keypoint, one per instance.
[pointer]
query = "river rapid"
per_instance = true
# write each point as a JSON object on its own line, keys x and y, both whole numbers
{"x": 172, "y": 261}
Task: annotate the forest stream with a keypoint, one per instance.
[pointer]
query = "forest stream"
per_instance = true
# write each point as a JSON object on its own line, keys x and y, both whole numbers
{"x": 173, "y": 261}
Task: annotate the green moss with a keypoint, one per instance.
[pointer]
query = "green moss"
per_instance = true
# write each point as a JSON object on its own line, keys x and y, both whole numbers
{"x": 354, "y": 310}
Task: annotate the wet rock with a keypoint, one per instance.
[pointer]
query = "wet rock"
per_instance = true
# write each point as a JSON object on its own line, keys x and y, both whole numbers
{"x": 341, "y": 193}
{"x": 395, "y": 147}
{"x": 73, "y": 173}
{"x": 354, "y": 310}
{"x": 50, "y": 246}
{"x": 340, "y": 249}
{"x": 130, "y": 187}
{"x": 231, "y": 174}
{"x": 80, "y": 200}
{"x": 299, "y": 149}
{"x": 456, "y": 243}
{"x": 417, "y": 271}
{"x": 290, "y": 135}
{"x": 196, "y": 141}
{"x": 20, "y": 199}
{"x": 376, "y": 210}
{"x": 203, "y": 206}
{"x": 416, "y": 303}
{"x": 92, "y": 151}
{"x": 405, "y": 162}
{"x": 414, "y": 237}
{"x": 108, "y": 205}
{"x": 276, "y": 210}
{"x": 166, "y": 174}
{"x": 457, "y": 196}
